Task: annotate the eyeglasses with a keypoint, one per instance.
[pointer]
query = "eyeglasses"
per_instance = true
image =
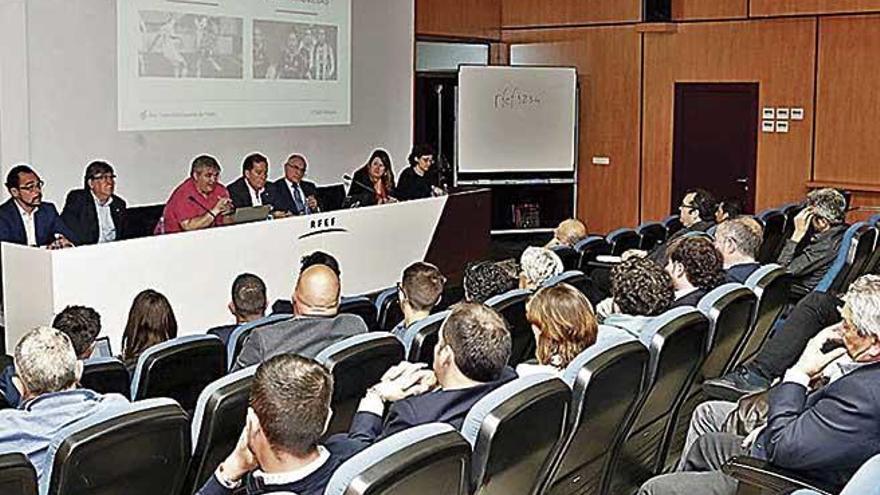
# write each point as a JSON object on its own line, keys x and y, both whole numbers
{"x": 32, "y": 186}
{"x": 299, "y": 168}
{"x": 104, "y": 177}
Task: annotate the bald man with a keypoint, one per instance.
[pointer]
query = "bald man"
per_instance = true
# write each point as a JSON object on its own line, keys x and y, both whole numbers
{"x": 314, "y": 326}
{"x": 568, "y": 233}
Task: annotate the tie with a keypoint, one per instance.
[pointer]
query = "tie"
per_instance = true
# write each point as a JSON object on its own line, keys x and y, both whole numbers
{"x": 298, "y": 202}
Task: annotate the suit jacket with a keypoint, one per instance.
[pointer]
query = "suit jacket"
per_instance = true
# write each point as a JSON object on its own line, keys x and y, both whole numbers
{"x": 81, "y": 215}
{"x": 302, "y": 335}
{"x": 240, "y": 194}
{"x": 284, "y": 197}
{"x": 47, "y": 223}
{"x": 740, "y": 273}
{"x": 808, "y": 264}
{"x": 443, "y": 406}
{"x": 828, "y": 434}
{"x": 689, "y": 299}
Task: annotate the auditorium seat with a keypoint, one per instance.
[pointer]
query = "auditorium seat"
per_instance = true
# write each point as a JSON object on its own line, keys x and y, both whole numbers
{"x": 106, "y": 375}
{"x": 622, "y": 240}
{"x": 512, "y": 306}
{"x": 672, "y": 224}
{"x": 361, "y": 306}
{"x": 570, "y": 258}
{"x": 179, "y": 368}
{"x": 282, "y": 307}
{"x": 866, "y": 481}
{"x": 217, "y": 424}
{"x": 770, "y": 285}
{"x": 855, "y": 250}
{"x": 516, "y": 431}
{"x": 238, "y": 336}
{"x": 574, "y": 278}
{"x": 589, "y": 249}
{"x": 431, "y": 459}
{"x": 873, "y": 265}
{"x": 357, "y": 363}
{"x": 652, "y": 234}
{"x": 607, "y": 382}
{"x": 17, "y": 475}
{"x": 677, "y": 343}
{"x": 141, "y": 448}
{"x": 773, "y": 221}
{"x": 421, "y": 337}
{"x": 388, "y": 312}
{"x": 758, "y": 476}
{"x": 730, "y": 309}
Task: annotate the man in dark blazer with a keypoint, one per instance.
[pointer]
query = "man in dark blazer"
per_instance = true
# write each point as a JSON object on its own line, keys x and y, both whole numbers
{"x": 738, "y": 240}
{"x": 94, "y": 213}
{"x": 44, "y": 226}
{"x": 470, "y": 360}
{"x": 295, "y": 195}
{"x": 252, "y": 189}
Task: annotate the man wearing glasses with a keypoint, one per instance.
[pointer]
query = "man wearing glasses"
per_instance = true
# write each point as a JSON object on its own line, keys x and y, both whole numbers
{"x": 94, "y": 213}
{"x": 25, "y": 218}
{"x": 295, "y": 195}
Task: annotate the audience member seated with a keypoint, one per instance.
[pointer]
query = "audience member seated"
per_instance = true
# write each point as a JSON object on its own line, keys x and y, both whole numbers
{"x": 568, "y": 233}
{"x": 25, "y": 218}
{"x": 697, "y": 215}
{"x": 486, "y": 279}
{"x": 278, "y": 450}
{"x": 295, "y": 195}
{"x": 251, "y": 189}
{"x": 151, "y": 321}
{"x": 320, "y": 258}
{"x": 314, "y": 326}
{"x": 81, "y": 324}
{"x": 248, "y": 304}
{"x": 419, "y": 291}
{"x": 470, "y": 360}
{"x": 818, "y": 231}
{"x": 564, "y": 325}
{"x": 696, "y": 268}
{"x": 536, "y": 266}
{"x": 823, "y": 418}
{"x": 199, "y": 202}
{"x": 94, "y": 213}
{"x": 640, "y": 290}
{"x": 47, "y": 373}
{"x": 373, "y": 184}
{"x": 738, "y": 240}
{"x": 728, "y": 209}
{"x": 416, "y": 181}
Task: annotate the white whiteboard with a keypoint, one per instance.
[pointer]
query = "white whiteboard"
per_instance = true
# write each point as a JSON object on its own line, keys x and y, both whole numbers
{"x": 516, "y": 119}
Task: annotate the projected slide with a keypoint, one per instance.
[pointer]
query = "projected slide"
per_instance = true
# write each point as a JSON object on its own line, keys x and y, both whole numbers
{"x": 203, "y": 64}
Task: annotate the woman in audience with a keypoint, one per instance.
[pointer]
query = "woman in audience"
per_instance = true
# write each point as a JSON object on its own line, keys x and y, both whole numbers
{"x": 564, "y": 325}
{"x": 373, "y": 184}
{"x": 150, "y": 321}
{"x": 486, "y": 279}
{"x": 640, "y": 290}
{"x": 537, "y": 265}
{"x": 416, "y": 181}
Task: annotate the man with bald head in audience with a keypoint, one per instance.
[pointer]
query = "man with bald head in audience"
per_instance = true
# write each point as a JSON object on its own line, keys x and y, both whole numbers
{"x": 315, "y": 325}
{"x": 568, "y": 233}
{"x": 738, "y": 240}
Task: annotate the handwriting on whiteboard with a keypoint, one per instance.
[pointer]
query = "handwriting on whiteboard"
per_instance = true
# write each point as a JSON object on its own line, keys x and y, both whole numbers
{"x": 513, "y": 97}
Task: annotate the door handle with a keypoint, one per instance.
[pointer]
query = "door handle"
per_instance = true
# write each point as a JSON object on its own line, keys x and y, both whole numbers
{"x": 743, "y": 180}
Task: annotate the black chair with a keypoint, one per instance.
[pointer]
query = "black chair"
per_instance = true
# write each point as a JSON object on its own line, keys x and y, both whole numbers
{"x": 677, "y": 343}
{"x": 855, "y": 251}
{"x": 17, "y": 475}
{"x": 770, "y": 284}
{"x": 106, "y": 375}
{"x": 140, "y": 449}
{"x": 570, "y": 258}
{"x": 574, "y": 278}
{"x": 179, "y": 368}
{"x": 652, "y": 235}
{"x": 388, "y": 310}
{"x": 515, "y": 432}
{"x": 607, "y": 382}
{"x": 4, "y": 362}
{"x": 774, "y": 235}
{"x": 238, "y": 336}
{"x": 217, "y": 423}
{"x": 673, "y": 224}
{"x": 421, "y": 337}
{"x": 754, "y": 473}
{"x": 331, "y": 197}
{"x": 512, "y": 306}
{"x": 622, "y": 240}
{"x": 282, "y": 307}
{"x": 361, "y": 306}
{"x": 430, "y": 459}
{"x": 873, "y": 265}
{"x": 357, "y": 363}
{"x": 589, "y": 249}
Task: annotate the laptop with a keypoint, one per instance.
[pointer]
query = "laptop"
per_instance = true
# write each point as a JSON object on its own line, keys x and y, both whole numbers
{"x": 251, "y": 214}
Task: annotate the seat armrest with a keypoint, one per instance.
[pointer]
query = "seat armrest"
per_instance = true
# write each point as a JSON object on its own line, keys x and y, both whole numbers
{"x": 755, "y": 472}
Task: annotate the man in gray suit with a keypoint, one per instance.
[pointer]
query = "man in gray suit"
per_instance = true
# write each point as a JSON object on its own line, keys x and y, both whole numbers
{"x": 315, "y": 325}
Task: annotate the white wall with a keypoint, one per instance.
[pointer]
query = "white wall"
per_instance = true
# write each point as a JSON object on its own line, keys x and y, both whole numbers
{"x": 58, "y": 103}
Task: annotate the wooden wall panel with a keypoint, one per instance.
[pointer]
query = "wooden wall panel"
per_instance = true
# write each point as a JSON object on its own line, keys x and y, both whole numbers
{"x": 532, "y": 13}
{"x": 459, "y": 18}
{"x": 779, "y": 54}
{"x": 762, "y": 8}
{"x": 608, "y": 62}
{"x": 686, "y": 10}
{"x": 848, "y": 101}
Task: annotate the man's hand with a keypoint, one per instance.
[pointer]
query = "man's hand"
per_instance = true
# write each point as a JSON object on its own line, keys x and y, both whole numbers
{"x": 281, "y": 214}
{"x": 242, "y": 460}
{"x": 813, "y": 360}
{"x": 802, "y": 222}
{"x": 312, "y": 202}
{"x": 223, "y": 206}
{"x": 404, "y": 380}
{"x": 60, "y": 242}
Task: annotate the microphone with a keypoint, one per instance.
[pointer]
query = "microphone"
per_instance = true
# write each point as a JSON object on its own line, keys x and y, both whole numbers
{"x": 208, "y": 211}
{"x": 349, "y": 178}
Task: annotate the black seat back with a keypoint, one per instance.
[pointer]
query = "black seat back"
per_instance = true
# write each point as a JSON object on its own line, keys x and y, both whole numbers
{"x": 862, "y": 255}
{"x": 512, "y": 306}
{"x": 357, "y": 363}
{"x": 421, "y": 338}
{"x": 673, "y": 224}
{"x": 589, "y": 249}
{"x": 17, "y": 475}
{"x": 570, "y": 258}
{"x": 770, "y": 284}
{"x": 652, "y": 235}
{"x": 360, "y": 306}
{"x": 388, "y": 312}
{"x": 774, "y": 232}
{"x": 106, "y": 375}
{"x": 730, "y": 309}
{"x": 852, "y": 255}
{"x": 622, "y": 240}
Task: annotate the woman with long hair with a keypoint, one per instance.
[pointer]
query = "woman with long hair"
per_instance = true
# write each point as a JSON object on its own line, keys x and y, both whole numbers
{"x": 150, "y": 321}
{"x": 373, "y": 184}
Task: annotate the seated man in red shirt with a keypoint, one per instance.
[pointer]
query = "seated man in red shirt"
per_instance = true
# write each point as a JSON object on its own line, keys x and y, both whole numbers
{"x": 200, "y": 202}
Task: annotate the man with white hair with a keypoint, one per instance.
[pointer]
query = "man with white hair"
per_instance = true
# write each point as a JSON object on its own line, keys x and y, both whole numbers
{"x": 823, "y": 419}
{"x": 738, "y": 240}
{"x": 48, "y": 372}
{"x": 537, "y": 265}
